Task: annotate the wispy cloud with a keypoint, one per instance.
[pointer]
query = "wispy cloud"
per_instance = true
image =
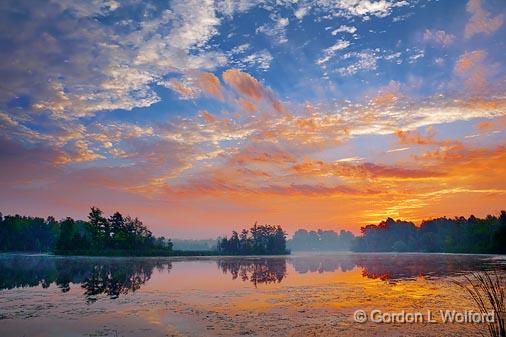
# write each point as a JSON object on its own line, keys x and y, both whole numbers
{"x": 481, "y": 21}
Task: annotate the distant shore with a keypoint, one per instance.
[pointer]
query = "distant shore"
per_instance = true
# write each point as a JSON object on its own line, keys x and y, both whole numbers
{"x": 125, "y": 253}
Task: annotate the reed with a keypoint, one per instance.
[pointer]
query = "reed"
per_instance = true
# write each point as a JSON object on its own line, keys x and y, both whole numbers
{"x": 488, "y": 292}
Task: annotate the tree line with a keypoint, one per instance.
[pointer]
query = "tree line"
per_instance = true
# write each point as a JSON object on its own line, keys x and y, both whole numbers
{"x": 258, "y": 240}
{"x": 449, "y": 235}
{"x": 321, "y": 240}
{"x": 99, "y": 235}
{"x": 124, "y": 235}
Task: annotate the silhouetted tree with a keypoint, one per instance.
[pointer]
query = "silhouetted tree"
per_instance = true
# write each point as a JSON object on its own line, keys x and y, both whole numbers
{"x": 321, "y": 240}
{"x": 259, "y": 240}
{"x": 457, "y": 235}
{"x": 69, "y": 236}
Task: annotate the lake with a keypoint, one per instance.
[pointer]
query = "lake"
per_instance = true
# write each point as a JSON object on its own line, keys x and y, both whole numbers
{"x": 299, "y": 295}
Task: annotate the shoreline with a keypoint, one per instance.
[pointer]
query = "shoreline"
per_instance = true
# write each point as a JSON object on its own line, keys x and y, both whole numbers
{"x": 195, "y": 254}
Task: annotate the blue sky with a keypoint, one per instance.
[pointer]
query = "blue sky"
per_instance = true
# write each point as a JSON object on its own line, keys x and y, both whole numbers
{"x": 198, "y": 115}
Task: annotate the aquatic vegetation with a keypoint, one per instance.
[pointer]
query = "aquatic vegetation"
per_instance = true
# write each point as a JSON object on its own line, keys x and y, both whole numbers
{"x": 488, "y": 292}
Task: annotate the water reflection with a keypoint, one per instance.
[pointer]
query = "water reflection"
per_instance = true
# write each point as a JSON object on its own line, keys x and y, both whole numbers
{"x": 409, "y": 266}
{"x": 257, "y": 271}
{"x": 397, "y": 266}
{"x": 109, "y": 277}
{"x": 112, "y": 278}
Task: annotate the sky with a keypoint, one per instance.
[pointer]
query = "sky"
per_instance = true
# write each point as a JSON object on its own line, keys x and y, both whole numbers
{"x": 203, "y": 116}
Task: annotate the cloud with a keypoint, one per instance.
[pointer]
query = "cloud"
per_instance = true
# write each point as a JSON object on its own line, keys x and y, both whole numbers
{"x": 307, "y": 189}
{"x": 183, "y": 90}
{"x": 80, "y": 152}
{"x": 231, "y": 7}
{"x": 471, "y": 67}
{"x": 301, "y": 12}
{"x": 208, "y": 116}
{"x": 415, "y": 138}
{"x": 244, "y": 83}
{"x": 415, "y": 55}
{"x": 329, "y": 52}
{"x": 469, "y": 60}
{"x": 288, "y": 153}
{"x": 344, "y": 29}
{"x": 89, "y": 8}
{"x": 211, "y": 84}
{"x": 106, "y": 67}
{"x": 359, "y": 61}
{"x": 359, "y": 170}
{"x": 365, "y": 8}
{"x": 247, "y": 105}
{"x": 261, "y": 60}
{"x": 495, "y": 124}
{"x": 269, "y": 155}
{"x": 387, "y": 95}
{"x": 276, "y": 30}
{"x": 481, "y": 20}
{"x": 240, "y": 49}
{"x": 438, "y": 36}
{"x": 398, "y": 149}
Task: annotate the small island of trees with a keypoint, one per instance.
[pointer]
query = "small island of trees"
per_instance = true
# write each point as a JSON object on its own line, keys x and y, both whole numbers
{"x": 258, "y": 240}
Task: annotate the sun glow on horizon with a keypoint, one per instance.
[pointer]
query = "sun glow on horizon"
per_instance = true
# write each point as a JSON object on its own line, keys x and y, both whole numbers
{"x": 204, "y": 116}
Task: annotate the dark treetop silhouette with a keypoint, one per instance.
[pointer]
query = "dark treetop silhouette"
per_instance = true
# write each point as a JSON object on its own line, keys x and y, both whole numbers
{"x": 116, "y": 235}
{"x": 119, "y": 235}
{"x": 122, "y": 235}
{"x": 259, "y": 240}
{"x": 458, "y": 235}
{"x": 321, "y": 240}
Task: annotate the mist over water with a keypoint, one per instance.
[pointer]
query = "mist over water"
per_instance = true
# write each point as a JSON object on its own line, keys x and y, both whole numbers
{"x": 129, "y": 296}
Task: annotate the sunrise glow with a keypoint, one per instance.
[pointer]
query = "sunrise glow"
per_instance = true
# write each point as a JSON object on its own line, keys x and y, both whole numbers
{"x": 201, "y": 117}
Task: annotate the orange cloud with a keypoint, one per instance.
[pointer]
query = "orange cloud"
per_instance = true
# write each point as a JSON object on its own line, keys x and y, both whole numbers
{"x": 250, "y": 87}
{"x": 179, "y": 87}
{"x": 416, "y": 138}
{"x": 269, "y": 156}
{"x": 278, "y": 106}
{"x": 80, "y": 153}
{"x": 486, "y": 103}
{"x": 247, "y": 105}
{"x": 481, "y": 21}
{"x": 244, "y": 83}
{"x": 385, "y": 99}
{"x": 495, "y": 124}
{"x": 472, "y": 68}
{"x": 361, "y": 170}
{"x": 208, "y": 116}
{"x": 387, "y": 95}
{"x": 469, "y": 60}
{"x": 211, "y": 84}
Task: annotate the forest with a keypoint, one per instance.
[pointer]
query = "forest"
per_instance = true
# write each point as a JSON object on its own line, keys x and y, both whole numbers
{"x": 116, "y": 235}
{"x": 258, "y": 240}
{"x": 119, "y": 235}
{"x": 448, "y": 235}
{"x": 124, "y": 235}
{"x": 321, "y": 240}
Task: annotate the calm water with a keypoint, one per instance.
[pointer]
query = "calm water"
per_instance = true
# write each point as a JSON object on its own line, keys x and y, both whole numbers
{"x": 300, "y": 295}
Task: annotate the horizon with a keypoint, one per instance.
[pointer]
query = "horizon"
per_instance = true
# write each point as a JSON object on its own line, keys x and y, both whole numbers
{"x": 200, "y": 117}
{"x": 290, "y": 234}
